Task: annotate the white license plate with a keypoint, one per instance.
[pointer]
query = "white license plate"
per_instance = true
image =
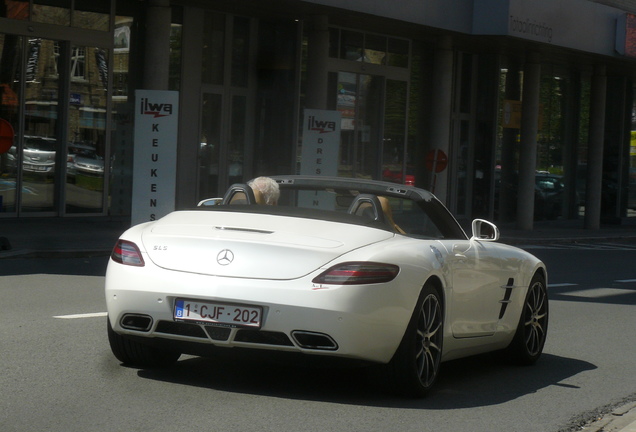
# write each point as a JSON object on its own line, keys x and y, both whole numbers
{"x": 223, "y": 314}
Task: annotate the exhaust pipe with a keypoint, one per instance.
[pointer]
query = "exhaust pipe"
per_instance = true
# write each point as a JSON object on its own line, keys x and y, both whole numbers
{"x": 136, "y": 322}
{"x": 315, "y": 341}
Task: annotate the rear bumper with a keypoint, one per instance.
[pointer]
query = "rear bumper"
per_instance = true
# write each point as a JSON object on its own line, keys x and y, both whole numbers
{"x": 355, "y": 322}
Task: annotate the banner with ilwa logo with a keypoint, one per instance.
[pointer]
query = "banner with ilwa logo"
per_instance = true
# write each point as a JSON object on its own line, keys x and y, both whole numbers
{"x": 155, "y": 155}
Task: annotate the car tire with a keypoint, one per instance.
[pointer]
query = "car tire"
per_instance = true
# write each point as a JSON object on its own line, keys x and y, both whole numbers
{"x": 527, "y": 345}
{"x": 415, "y": 365}
{"x": 133, "y": 353}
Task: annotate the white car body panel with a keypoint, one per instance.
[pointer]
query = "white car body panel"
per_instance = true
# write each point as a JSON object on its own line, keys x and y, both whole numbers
{"x": 264, "y": 247}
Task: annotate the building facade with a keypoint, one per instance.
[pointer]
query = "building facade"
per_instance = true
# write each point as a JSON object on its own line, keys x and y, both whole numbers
{"x": 511, "y": 110}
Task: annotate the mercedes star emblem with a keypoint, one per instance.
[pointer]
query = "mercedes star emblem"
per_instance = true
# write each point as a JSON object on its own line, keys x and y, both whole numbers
{"x": 225, "y": 257}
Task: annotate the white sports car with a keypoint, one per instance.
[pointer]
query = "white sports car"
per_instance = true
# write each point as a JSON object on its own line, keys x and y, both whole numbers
{"x": 349, "y": 268}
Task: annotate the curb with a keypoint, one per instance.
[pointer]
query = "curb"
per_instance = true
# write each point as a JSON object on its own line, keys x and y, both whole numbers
{"x": 620, "y": 419}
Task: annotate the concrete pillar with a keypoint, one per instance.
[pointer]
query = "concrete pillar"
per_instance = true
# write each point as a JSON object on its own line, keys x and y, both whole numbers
{"x": 157, "y": 45}
{"x": 441, "y": 109}
{"x": 594, "y": 184}
{"x": 317, "y": 57}
{"x": 509, "y": 164}
{"x": 528, "y": 145}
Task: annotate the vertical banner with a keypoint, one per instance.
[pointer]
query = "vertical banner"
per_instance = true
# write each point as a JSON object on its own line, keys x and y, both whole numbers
{"x": 155, "y": 155}
{"x": 321, "y": 144}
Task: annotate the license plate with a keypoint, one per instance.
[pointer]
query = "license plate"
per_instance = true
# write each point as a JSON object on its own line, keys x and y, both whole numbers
{"x": 222, "y": 314}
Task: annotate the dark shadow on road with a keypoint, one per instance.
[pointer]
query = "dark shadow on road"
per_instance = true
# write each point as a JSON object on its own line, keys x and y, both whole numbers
{"x": 467, "y": 383}
{"x": 72, "y": 266}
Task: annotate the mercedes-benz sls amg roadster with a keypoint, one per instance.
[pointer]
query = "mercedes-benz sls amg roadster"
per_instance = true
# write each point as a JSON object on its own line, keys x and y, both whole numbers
{"x": 356, "y": 269}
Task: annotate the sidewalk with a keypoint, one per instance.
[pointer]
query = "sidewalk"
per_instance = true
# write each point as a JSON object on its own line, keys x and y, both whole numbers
{"x": 66, "y": 237}
{"x": 563, "y": 231}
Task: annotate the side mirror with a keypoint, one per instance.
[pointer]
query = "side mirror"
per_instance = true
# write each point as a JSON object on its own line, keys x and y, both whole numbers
{"x": 484, "y": 230}
{"x": 210, "y": 202}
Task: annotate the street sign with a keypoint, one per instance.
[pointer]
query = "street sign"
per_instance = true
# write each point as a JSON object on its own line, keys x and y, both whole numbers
{"x": 436, "y": 161}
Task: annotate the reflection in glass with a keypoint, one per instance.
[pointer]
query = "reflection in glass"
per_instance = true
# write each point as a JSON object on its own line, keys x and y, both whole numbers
{"x": 375, "y": 49}
{"x": 393, "y": 152}
{"x": 359, "y": 101}
{"x": 15, "y": 9}
{"x": 398, "y": 53}
{"x": 52, "y": 12}
{"x": 240, "y": 51}
{"x": 462, "y": 161}
{"x": 10, "y": 61}
{"x": 210, "y": 146}
{"x": 631, "y": 186}
{"x": 85, "y": 150}
{"x": 92, "y": 14}
{"x": 351, "y": 45}
{"x": 236, "y": 146}
{"x": 40, "y": 144}
{"x": 213, "y": 48}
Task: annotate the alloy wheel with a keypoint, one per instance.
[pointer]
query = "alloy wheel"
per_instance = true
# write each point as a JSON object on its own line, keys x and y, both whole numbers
{"x": 428, "y": 347}
{"x": 536, "y": 316}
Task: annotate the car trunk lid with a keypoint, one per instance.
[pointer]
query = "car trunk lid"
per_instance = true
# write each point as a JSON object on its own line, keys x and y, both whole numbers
{"x": 248, "y": 245}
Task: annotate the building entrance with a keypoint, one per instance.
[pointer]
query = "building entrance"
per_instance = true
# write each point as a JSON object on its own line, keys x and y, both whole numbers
{"x": 369, "y": 85}
{"x": 225, "y": 141}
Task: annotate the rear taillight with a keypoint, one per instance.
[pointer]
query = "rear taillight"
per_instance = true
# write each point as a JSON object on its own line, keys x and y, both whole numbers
{"x": 127, "y": 253}
{"x": 358, "y": 273}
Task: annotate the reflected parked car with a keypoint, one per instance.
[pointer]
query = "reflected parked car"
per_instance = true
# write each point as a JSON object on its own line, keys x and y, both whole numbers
{"x": 38, "y": 155}
{"x": 84, "y": 160}
{"x": 548, "y": 194}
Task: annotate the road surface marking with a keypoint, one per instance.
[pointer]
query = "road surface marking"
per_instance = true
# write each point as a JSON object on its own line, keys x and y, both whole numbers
{"x": 86, "y": 315}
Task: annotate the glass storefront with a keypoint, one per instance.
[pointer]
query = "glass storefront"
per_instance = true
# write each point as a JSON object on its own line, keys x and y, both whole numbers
{"x": 59, "y": 148}
{"x": 67, "y": 96}
{"x": 557, "y": 146}
{"x": 55, "y": 95}
{"x": 11, "y": 49}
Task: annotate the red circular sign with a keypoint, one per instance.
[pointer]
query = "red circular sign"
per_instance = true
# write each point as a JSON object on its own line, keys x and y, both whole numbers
{"x": 6, "y": 136}
{"x": 436, "y": 161}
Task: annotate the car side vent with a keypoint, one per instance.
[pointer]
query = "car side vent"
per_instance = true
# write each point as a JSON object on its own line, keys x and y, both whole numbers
{"x": 263, "y": 337}
{"x": 315, "y": 341}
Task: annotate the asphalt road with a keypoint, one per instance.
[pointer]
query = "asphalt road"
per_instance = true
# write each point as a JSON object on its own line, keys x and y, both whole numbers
{"x": 58, "y": 373}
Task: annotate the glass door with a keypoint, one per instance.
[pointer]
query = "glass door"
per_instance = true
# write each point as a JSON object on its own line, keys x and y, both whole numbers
{"x": 41, "y": 146}
{"x": 225, "y": 140}
{"x": 463, "y": 157}
{"x": 359, "y": 99}
{"x": 222, "y": 144}
{"x": 86, "y": 157}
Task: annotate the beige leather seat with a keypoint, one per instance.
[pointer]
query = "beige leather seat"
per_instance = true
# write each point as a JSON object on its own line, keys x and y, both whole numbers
{"x": 388, "y": 214}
